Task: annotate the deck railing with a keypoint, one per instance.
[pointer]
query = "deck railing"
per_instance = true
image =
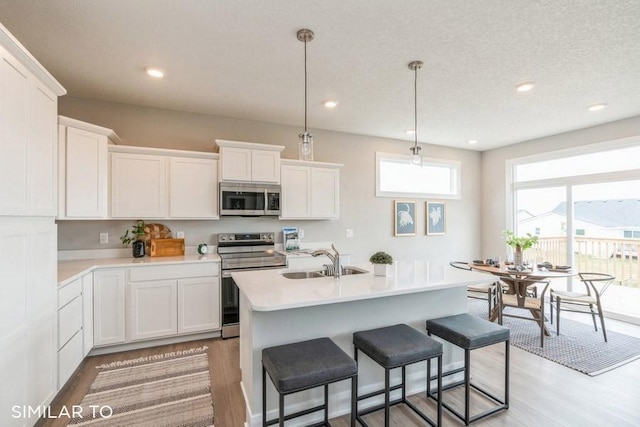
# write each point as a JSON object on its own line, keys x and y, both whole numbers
{"x": 618, "y": 257}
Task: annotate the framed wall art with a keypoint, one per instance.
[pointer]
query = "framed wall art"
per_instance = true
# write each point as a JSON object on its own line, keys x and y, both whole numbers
{"x": 404, "y": 218}
{"x": 436, "y": 217}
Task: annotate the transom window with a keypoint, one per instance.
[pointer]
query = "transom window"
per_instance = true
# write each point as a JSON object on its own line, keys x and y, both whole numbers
{"x": 397, "y": 177}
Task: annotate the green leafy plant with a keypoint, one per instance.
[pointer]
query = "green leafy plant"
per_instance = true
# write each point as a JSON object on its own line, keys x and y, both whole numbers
{"x": 522, "y": 242}
{"x": 137, "y": 231}
{"x": 381, "y": 257}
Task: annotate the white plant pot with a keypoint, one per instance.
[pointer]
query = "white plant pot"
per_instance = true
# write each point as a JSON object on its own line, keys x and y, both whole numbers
{"x": 380, "y": 269}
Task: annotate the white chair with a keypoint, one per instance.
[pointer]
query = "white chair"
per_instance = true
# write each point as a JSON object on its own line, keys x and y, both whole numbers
{"x": 583, "y": 302}
{"x": 486, "y": 291}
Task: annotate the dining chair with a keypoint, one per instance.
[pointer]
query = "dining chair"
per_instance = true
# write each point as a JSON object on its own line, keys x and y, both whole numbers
{"x": 486, "y": 291}
{"x": 515, "y": 295}
{"x": 579, "y": 302}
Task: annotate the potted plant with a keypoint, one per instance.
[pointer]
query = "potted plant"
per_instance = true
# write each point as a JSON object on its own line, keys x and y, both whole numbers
{"x": 136, "y": 237}
{"x": 380, "y": 261}
{"x": 519, "y": 244}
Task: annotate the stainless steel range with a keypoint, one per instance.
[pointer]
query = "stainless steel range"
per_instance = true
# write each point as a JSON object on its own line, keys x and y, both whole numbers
{"x": 243, "y": 252}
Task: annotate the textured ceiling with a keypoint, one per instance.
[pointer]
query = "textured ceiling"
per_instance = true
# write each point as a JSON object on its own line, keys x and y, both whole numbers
{"x": 241, "y": 59}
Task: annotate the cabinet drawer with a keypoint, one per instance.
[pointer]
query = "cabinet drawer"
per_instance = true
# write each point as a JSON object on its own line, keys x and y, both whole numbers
{"x": 173, "y": 271}
{"x": 69, "y": 358}
{"x": 69, "y": 292}
{"x": 69, "y": 320}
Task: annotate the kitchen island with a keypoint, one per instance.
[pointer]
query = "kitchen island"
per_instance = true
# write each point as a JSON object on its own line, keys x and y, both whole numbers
{"x": 276, "y": 310}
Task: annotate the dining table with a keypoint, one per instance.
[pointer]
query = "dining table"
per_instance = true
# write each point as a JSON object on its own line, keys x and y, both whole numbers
{"x": 508, "y": 274}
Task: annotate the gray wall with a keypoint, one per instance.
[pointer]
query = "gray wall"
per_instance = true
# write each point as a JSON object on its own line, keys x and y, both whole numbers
{"x": 371, "y": 218}
{"x": 494, "y": 197}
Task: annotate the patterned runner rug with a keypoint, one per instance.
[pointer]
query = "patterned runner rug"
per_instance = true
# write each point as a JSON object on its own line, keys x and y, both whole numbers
{"x": 578, "y": 346}
{"x": 172, "y": 390}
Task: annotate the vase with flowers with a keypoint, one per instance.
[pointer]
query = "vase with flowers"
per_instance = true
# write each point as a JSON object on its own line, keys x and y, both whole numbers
{"x": 519, "y": 244}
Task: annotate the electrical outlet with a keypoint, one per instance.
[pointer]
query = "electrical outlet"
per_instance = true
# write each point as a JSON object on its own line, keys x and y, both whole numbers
{"x": 301, "y": 234}
{"x": 349, "y": 232}
{"x": 179, "y": 234}
{"x": 104, "y": 238}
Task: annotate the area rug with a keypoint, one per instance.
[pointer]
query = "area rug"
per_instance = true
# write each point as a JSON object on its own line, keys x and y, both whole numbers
{"x": 578, "y": 346}
{"x": 171, "y": 389}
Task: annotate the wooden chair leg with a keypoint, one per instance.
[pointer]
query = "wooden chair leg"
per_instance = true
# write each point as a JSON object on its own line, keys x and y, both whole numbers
{"x": 558, "y": 316}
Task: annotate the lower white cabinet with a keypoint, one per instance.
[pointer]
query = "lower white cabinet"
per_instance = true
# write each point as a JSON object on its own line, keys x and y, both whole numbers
{"x": 108, "y": 307}
{"x": 87, "y": 313}
{"x": 153, "y": 309}
{"x": 198, "y": 305}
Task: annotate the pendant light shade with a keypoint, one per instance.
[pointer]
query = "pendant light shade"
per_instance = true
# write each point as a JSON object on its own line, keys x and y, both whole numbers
{"x": 416, "y": 159}
{"x": 305, "y": 142}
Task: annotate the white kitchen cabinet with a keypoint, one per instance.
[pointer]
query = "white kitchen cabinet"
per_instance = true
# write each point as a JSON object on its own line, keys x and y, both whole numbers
{"x": 198, "y": 304}
{"x": 310, "y": 190}
{"x": 249, "y": 162}
{"x": 153, "y": 309}
{"x": 70, "y": 327}
{"x": 28, "y": 137}
{"x": 193, "y": 192}
{"x": 109, "y": 307}
{"x": 138, "y": 185}
{"x": 83, "y": 169}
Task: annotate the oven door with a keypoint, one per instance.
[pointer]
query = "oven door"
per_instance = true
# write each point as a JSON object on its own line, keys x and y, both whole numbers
{"x": 230, "y": 302}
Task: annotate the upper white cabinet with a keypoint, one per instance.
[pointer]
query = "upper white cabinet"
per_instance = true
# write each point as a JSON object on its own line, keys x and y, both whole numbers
{"x": 138, "y": 185}
{"x": 83, "y": 169}
{"x": 28, "y": 133}
{"x": 155, "y": 183}
{"x": 249, "y": 162}
{"x": 310, "y": 190}
{"x": 193, "y": 191}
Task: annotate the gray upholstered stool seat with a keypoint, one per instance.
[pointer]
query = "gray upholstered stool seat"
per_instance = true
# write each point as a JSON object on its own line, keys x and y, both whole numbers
{"x": 304, "y": 365}
{"x": 394, "y": 347}
{"x": 470, "y": 332}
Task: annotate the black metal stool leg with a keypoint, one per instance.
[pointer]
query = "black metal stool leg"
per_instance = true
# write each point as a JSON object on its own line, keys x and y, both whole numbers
{"x": 281, "y": 409}
{"x": 264, "y": 397}
{"x": 467, "y": 384}
{"x": 386, "y": 397}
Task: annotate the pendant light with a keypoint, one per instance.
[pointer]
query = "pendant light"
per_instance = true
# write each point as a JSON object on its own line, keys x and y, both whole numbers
{"x": 416, "y": 159}
{"x": 305, "y": 142}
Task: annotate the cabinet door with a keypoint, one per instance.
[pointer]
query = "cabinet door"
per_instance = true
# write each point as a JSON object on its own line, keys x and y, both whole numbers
{"x": 138, "y": 186}
{"x": 42, "y": 151}
{"x": 84, "y": 175}
{"x": 265, "y": 166}
{"x": 87, "y": 313}
{"x": 14, "y": 89}
{"x": 69, "y": 358}
{"x": 235, "y": 164}
{"x": 153, "y": 309}
{"x": 325, "y": 193}
{"x": 198, "y": 304}
{"x": 108, "y": 307}
{"x": 193, "y": 188}
{"x": 296, "y": 187}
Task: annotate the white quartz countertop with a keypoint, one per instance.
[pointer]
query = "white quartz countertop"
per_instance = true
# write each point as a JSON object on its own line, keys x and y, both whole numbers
{"x": 269, "y": 290}
{"x": 72, "y": 269}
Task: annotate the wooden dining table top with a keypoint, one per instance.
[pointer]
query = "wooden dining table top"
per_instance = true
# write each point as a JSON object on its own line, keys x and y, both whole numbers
{"x": 504, "y": 270}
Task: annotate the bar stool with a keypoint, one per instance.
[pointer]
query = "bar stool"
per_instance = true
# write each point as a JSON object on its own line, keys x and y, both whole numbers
{"x": 394, "y": 347}
{"x": 304, "y": 365}
{"x": 469, "y": 333}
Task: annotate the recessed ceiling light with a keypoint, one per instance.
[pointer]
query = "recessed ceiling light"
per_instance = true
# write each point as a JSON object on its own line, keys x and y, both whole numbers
{"x": 411, "y": 131}
{"x": 525, "y": 87}
{"x": 154, "y": 72}
{"x": 597, "y": 107}
{"x": 330, "y": 104}
{"x": 473, "y": 141}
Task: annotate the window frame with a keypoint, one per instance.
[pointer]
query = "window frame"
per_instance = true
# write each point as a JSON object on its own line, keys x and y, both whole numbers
{"x": 455, "y": 166}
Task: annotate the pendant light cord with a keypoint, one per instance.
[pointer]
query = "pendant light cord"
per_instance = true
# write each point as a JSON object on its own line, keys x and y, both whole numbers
{"x": 305, "y": 86}
{"x": 415, "y": 106}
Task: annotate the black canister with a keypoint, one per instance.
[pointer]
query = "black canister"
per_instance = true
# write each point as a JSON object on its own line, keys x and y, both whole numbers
{"x": 138, "y": 248}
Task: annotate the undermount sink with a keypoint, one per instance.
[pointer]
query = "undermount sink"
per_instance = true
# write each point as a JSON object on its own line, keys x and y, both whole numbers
{"x": 303, "y": 274}
{"x": 346, "y": 271}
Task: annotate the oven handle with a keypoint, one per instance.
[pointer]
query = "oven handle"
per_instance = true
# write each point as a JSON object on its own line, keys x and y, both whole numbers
{"x": 227, "y": 273}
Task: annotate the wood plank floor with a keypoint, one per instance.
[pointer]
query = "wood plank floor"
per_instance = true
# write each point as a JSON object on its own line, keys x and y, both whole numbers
{"x": 543, "y": 393}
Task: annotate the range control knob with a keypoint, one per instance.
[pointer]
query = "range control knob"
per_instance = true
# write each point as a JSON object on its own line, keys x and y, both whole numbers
{"x": 222, "y": 237}
{"x": 232, "y": 237}
{"x": 270, "y": 236}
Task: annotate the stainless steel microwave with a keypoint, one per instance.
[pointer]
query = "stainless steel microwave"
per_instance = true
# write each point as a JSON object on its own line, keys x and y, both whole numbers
{"x": 249, "y": 199}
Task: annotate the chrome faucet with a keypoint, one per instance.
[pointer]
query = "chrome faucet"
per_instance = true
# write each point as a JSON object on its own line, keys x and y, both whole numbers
{"x": 335, "y": 259}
